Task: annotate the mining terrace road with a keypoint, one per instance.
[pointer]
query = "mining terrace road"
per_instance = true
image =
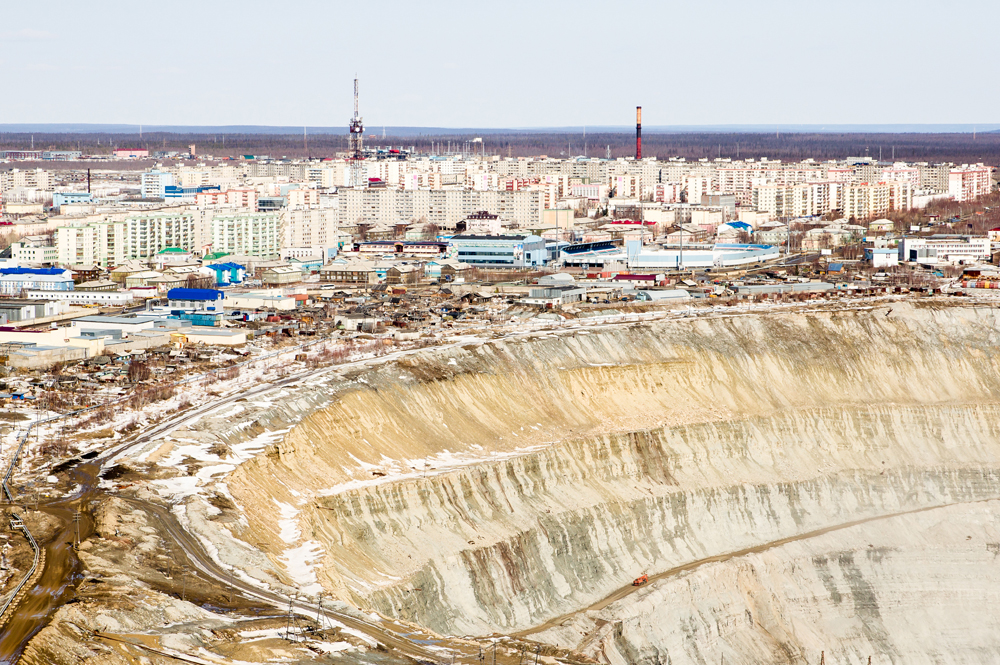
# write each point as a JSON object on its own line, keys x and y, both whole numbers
{"x": 756, "y": 549}
{"x": 204, "y": 563}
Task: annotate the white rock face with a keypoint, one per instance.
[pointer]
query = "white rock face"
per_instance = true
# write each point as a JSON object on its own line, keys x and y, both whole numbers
{"x": 909, "y": 589}
{"x": 531, "y": 479}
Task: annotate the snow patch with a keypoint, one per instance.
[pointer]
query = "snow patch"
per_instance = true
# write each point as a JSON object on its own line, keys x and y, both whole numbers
{"x": 300, "y": 562}
{"x": 289, "y": 524}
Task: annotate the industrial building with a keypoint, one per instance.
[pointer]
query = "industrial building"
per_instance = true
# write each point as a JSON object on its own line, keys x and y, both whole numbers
{"x": 14, "y": 281}
{"x": 503, "y": 251}
{"x": 944, "y": 248}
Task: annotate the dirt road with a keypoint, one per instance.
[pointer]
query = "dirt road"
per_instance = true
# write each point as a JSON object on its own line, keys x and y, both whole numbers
{"x": 756, "y": 549}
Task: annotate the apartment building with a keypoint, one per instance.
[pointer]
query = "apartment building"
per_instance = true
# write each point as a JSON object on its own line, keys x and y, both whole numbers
{"x": 696, "y": 187}
{"x": 445, "y": 208}
{"x": 309, "y": 227}
{"x": 901, "y": 172}
{"x": 25, "y": 179}
{"x": 245, "y": 199}
{"x": 329, "y": 175}
{"x": 302, "y": 197}
{"x": 796, "y": 200}
{"x": 870, "y": 200}
{"x": 141, "y": 236}
{"x": 251, "y": 234}
{"x": 224, "y": 176}
{"x": 969, "y": 181}
{"x": 934, "y": 177}
{"x": 626, "y": 186}
{"x": 154, "y": 184}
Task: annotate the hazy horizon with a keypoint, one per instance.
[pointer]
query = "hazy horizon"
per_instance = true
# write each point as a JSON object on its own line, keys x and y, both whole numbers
{"x": 400, "y": 132}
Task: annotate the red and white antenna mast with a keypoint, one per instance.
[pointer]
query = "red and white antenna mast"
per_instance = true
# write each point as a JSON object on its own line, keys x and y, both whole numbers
{"x": 356, "y": 155}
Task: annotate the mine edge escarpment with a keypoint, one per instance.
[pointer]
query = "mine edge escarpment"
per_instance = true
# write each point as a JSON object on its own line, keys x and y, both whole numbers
{"x": 589, "y": 457}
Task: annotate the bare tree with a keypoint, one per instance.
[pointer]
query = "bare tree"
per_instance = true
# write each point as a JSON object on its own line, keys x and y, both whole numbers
{"x": 139, "y": 371}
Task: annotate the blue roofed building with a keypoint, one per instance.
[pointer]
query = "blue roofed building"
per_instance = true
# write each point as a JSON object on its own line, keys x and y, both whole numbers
{"x": 14, "y": 281}
{"x": 228, "y": 273}
{"x": 195, "y": 299}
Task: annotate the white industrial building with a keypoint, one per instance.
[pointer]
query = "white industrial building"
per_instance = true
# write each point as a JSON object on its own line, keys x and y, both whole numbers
{"x": 721, "y": 255}
{"x": 944, "y": 248}
{"x": 103, "y": 298}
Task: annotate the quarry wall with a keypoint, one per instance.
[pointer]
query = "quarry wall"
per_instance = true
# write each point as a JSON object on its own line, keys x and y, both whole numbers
{"x": 497, "y": 486}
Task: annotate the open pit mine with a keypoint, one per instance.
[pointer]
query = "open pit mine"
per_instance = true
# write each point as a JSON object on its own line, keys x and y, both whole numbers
{"x": 802, "y": 486}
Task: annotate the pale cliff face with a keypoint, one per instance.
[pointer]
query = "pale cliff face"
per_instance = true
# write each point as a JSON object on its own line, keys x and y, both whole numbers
{"x": 561, "y": 467}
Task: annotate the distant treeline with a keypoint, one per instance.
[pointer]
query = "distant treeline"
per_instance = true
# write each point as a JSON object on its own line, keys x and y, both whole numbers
{"x": 959, "y": 148}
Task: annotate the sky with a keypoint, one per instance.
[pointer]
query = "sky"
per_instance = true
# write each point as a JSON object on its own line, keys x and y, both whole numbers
{"x": 540, "y": 63}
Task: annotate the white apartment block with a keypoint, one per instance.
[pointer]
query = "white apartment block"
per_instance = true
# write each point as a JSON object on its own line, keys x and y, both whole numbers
{"x": 201, "y": 175}
{"x": 309, "y": 227}
{"x": 252, "y": 234}
{"x": 697, "y": 186}
{"x": 134, "y": 237}
{"x": 934, "y": 176}
{"x": 154, "y": 184}
{"x": 329, "y": 175}
{"x": 390, "y": 172}
{"x": 445, "y": 208}
{"x": 142, "y": 236}
{"x": 668, "y": 192}
{"x": 796, "y": 200}
{"x": 302, "y": 197}
{"x": 626, "y": 186}
{"x": 968, "y": 181}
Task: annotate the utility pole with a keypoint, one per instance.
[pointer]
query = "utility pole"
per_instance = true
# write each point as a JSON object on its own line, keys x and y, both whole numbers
{"x": 288, "y": 621}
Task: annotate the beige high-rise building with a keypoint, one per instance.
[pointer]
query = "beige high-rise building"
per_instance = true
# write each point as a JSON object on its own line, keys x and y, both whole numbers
{"x": 869, "y": 200}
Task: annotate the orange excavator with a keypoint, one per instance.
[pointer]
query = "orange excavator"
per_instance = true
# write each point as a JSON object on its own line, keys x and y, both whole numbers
{"x": 639, "y": 581}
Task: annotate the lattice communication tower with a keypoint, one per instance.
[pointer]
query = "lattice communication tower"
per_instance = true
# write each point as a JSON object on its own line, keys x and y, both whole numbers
{"x": 356, "y": 155}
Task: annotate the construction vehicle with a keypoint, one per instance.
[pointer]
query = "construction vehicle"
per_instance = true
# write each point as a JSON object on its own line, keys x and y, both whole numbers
{"x": 639, "y": 581}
